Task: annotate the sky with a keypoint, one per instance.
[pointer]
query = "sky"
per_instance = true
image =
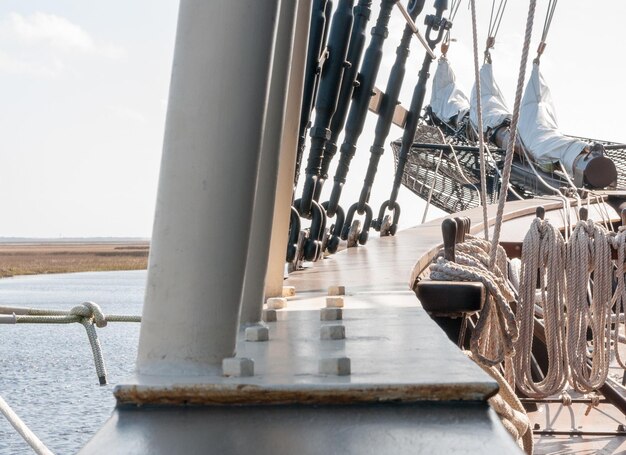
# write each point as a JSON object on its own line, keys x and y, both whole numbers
{"x": 84, "y": 88}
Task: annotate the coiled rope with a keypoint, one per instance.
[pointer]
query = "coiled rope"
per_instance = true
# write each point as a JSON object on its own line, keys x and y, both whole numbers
{"x": 543, "y": 261}
{"x": 88, "y": 314}
{"x": 589, "y": 252}
{"x": 619, "y": 297}
{"x": 492, "y": 339}
{"x": 510, "y": 410}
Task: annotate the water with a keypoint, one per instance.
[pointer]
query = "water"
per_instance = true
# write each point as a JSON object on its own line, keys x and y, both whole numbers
{"x": 47, "y": 373}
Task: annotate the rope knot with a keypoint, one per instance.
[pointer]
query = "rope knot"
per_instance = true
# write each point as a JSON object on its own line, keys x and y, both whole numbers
{"x": 541, "y": 225}
{"x": 566, "y": 399}
{"x": 594, "y": 398}
{"x": 91, "y": 311}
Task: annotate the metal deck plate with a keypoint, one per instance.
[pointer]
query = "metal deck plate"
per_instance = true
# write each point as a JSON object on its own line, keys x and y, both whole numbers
{"x": 397, "y": 354}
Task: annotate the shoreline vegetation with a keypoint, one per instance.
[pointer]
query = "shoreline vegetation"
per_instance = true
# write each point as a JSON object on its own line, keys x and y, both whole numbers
{"x": 32, "y": 258}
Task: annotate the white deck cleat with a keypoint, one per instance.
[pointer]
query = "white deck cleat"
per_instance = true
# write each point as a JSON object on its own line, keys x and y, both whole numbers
{"x": 335, "y": 366}
{"x": 257, "y": 333}
{"x": 331, "y": 314}
{"x": 269, "y": 316}
{"x": 337, "y": 290}
{"x": 332, "y": 332}
{"x": 289, "y": 291}
{"x": 276, "y": 303}
{"x": 238, "y": 366}
{"x": 334, "y": 302}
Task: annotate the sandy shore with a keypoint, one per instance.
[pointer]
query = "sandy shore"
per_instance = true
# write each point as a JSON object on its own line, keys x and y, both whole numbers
{"x": 61, "y": 257}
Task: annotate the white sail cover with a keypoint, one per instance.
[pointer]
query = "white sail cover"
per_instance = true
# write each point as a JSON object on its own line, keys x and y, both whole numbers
{"x": 495, "y": 110}
{"x": 538, "y": 128}
{"x": 447, "y": 100}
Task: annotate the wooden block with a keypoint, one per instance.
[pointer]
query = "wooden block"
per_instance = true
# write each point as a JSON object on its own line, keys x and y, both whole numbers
{"x": 276, "y": 303}
{"x": 334, "y": 302}
{"x": 238, "y": 366}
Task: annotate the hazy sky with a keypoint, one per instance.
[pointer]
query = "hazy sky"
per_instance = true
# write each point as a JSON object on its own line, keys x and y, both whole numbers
{"x": 83, "y": 90}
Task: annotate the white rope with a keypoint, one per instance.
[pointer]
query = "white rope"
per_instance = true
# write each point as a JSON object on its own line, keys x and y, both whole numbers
{"x": 619, "y": 298}
{"x": 31, "y": 438}
{"x": 89, "y": 314}
{"x": 481, "y": 136}
{"x": 543, "y": 258}
{"x": 588, "y": 252}
{"x": 510, "y": 410}
{"x": 493, "y": 337}
{"x": 508, "y": 160}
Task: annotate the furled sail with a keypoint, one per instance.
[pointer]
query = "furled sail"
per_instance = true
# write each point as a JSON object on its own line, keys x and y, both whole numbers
{"x": 447, "y": 101}
{"x": 538, "y": 127}
{"x": 495, "y": 110}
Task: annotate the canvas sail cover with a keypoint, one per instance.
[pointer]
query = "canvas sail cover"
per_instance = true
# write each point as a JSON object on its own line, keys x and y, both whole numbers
{"x": 447, "y": 100}
{"x": 495, "y": 110}
{"x": 538, "y": 128}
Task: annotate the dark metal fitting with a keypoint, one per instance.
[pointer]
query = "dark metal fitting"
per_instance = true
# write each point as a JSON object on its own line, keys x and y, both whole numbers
{"x": 363, "y": 11}
{"x": 377, "y": 150}
{"x": 320, "y": 132}
{"x": 593, "y": 169}
{"x": 380, "y": 31}
{"x": 415, "y": 7}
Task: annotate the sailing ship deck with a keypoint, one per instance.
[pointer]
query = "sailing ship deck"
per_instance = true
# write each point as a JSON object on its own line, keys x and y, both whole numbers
{"x": 412, "y": 385}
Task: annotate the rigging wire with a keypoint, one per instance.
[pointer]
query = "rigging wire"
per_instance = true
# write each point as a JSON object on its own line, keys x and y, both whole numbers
{"x": 454, "y": 8}
{"x": 495, "y": 19}
{"x": 494, "y": 163}
{"x": 546, "y": 28}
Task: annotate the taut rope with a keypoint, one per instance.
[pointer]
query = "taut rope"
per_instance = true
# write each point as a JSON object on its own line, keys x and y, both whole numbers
{"x": 481, "y": 136}
{"x": 31, "y": 438}
{"x": 88, "y": 314}
{"x": 506, "y": 173}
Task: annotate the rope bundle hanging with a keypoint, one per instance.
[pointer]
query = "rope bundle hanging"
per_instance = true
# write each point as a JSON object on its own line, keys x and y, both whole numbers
{"x": 493, "y": 337}
{"x": 543, "y": 261}
{"x": 589, "y": 305}
{"x": 619, "y": 297}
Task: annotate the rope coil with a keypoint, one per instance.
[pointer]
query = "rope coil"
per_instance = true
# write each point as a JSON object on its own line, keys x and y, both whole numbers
{"x": 493, "y": 337}
{"x": 589, "y": 305}
{"x": 543, "y": 261}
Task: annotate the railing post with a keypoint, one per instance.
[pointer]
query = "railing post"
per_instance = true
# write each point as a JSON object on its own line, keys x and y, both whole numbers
{"x": 258, "y": 252}
{"x": 288, "y": 148}
{"x": 213, "y": 136}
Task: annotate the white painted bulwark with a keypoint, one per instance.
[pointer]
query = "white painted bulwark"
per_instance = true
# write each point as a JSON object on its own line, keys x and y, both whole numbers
{"x": 213, "y": 138}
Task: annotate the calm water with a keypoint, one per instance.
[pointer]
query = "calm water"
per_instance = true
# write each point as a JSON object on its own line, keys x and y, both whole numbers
{"x": 46, "y": 371}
